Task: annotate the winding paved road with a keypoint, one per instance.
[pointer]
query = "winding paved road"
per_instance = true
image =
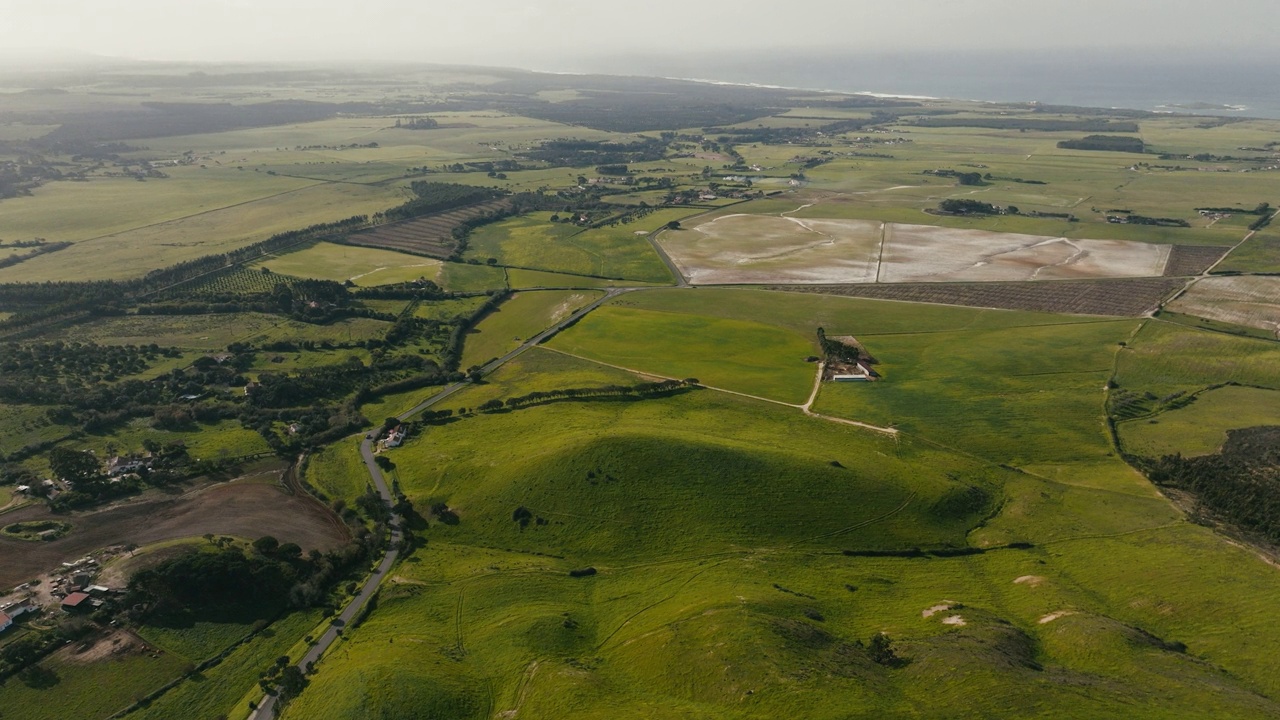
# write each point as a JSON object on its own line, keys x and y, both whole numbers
{"x": 267, "y": 706}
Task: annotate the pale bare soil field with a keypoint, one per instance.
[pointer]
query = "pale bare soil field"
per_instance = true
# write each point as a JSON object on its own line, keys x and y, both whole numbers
{"x": 1245, "y": 300}
{"x": 768, "y": 249}
{"x": 923, "y": 253}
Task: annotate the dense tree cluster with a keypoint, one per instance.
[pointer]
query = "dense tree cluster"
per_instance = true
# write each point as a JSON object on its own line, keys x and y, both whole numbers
{"x": 1240, "y": 484}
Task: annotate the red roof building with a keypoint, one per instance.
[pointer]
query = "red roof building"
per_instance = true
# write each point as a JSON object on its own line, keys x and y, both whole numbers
{"x": 75, "y": 601}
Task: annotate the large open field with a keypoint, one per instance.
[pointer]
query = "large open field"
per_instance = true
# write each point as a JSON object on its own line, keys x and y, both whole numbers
{"x": 486, "y": 619}
{"x": 1201, "y": 427}
{"x": 743, "y": 249}
{"x": 361, "y": 265}
{"x": 970, "y": 533}
{"x": 534, "y": 242}
{"x": 521, "y": 317}
{"x": 1249, "y": 301}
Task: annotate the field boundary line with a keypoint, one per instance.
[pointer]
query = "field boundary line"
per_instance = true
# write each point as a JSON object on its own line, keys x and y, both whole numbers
{"x": 842, "y": 421}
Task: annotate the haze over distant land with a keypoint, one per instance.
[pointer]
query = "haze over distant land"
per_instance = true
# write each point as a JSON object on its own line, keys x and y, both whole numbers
{"x": 521, "y": 32}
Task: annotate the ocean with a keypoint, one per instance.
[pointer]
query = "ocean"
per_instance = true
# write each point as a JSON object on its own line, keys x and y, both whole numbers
{"x": 1229, "y": 85}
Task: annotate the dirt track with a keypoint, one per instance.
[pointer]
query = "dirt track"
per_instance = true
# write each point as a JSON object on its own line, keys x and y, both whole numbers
{"x": 244, "y": 508}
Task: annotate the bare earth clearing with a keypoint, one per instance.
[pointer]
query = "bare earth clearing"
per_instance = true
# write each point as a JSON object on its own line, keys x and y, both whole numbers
{"x": 764, "y": 249}
{"x": 244, "y": 507}
{"x": 922, "y": 253}
{"x": 1246, "y": 300}
{"x": 767, "y": 248}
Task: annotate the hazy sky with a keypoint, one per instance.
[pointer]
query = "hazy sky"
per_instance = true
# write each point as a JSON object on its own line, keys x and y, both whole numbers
{"x": 524, "y": 33}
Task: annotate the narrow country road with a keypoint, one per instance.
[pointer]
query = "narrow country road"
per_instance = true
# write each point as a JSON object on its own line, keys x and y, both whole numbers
{"x": 267, "y": 706}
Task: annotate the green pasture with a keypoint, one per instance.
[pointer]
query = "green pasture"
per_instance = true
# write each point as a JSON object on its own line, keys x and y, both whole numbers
{"x": 687, "y": 614}
{"x": 338, "y": 471}
{"x": 361, "y": 265}
{"x": 521, "y": 279}
{"x": 1166, "y": 358}
{"x": 89, "y": 689}
{"x": 537, "y": 370}
{"x": 1260, "y": 254}
{"x": 804, "y": 313}
{"x": 1021, "y": 396}
{"x": 739, "y": 355}
{"x": 122, "y": 236}
{"x": 22, "y": 425}
{"x": 446, "y": 310}
{"x": 533, "y": 241}
{"x": 208, "y": 441}
{"x": 522, "y": 316}
{"x": 1201, "y": 427}
{"x": 463, "y": 277}
{"x": 219, "y": 691}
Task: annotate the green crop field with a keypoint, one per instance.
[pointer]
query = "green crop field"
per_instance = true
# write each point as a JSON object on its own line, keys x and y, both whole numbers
{"x": 1260, "y": 254}
{"x": 96, "y": 688}
{"x": 533, "y": 241}
{"x": 521, "y": 317}
{"x": 1201, "y": 427}
{"x": 461, "y": 277}
{"x": 739, "y": 355}
{"x": 363, "y": 266}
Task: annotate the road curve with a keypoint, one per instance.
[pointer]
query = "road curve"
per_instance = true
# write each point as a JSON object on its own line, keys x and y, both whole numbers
{"x": 267, "y": 706}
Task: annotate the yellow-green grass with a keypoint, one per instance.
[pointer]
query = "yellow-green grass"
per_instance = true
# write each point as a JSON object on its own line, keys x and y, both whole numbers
{"x": 724, "y": 470}
{"x": 218, "y": 692}
{"x": 533, "y": 241}
{"x": 118, "y": 244}
{"x": 338, "y": 471}
{"x": 1165, "y": 358}
{"x": 216, "y": 331}
{"x": 80, "y": 211}
{"x": 687, "y": 615}
{"x": 521, "y": 278}
{"x": 90, "y": 689}
{"x": 208, "y": 441}
{"x": 6, "y": 496}
{"x": 22, "y": 425}
{"x": 537, "y": 370}
{"x": 363, "y": 266}
{"x": 522, "y": 316}
{"x": 446, "y": 310}
{"x": 289, "y": 361}
{"x": 1261, "y": 253}
{"x": 1030, "y": 395}
{"x": 739, "y": 355}
{"x": 804, "y": 313}
{"x": 395, "y": 404}
{"x": 1201, "y": 427}
{"x": 464, "y": 277}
